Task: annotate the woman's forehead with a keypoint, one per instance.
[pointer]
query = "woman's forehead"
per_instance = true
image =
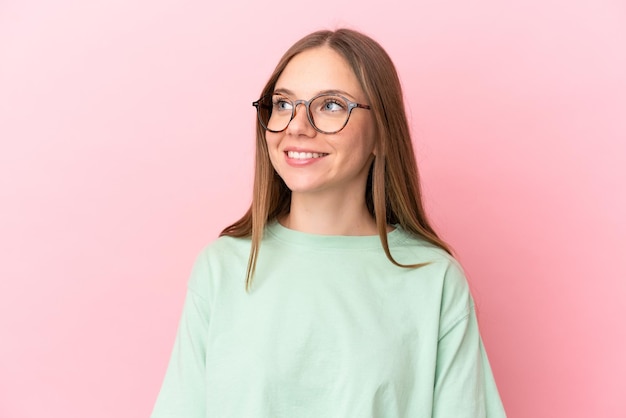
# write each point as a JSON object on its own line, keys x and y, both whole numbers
{"x": 317, "y": 70}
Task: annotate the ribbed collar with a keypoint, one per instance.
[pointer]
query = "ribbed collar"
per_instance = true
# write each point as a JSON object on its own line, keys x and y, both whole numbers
{"x": 277, "y": 231}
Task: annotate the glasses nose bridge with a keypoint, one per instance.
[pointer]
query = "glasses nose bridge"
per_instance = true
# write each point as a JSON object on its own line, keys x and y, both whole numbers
{"x": 298, "y": 102}
{"x": 306, "y": 109}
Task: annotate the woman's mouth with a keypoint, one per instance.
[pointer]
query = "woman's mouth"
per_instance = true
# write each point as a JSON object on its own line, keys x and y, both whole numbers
{"x": 305, "y": 155}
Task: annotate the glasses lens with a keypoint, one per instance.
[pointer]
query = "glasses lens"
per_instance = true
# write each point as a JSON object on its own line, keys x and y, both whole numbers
{"x": 329, "y": 113}
{"x": 275, "y": 112}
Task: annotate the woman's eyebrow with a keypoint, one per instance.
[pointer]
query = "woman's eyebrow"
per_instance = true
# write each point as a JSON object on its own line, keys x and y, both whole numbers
{"x": 336, "y": 91}
{"x": 330, "y": 91}
{"x": 284, "y": 91}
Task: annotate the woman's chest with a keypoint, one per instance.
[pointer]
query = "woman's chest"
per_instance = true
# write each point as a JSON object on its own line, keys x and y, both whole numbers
{"x": 323, "y": 341}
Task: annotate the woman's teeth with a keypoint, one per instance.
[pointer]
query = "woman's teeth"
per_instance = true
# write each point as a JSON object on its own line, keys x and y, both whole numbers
{"x": 304, "y": 155}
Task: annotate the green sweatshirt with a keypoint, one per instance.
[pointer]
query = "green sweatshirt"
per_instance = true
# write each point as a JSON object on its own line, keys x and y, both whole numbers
{"x": 331, "y": 328}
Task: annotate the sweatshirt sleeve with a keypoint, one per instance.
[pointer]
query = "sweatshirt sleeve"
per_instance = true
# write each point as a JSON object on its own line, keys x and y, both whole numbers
{"x": 183, "y": 390}
{"x": 464, "y": 383}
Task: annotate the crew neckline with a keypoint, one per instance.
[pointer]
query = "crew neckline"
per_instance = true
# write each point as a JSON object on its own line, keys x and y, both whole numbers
{"x": 291, "y": 236}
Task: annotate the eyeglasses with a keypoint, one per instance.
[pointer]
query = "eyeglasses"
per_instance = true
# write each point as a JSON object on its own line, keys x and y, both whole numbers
{"x": 327, "y": 113}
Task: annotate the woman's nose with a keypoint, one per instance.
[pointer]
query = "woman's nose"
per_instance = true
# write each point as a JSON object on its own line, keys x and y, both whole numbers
{"x": 300, "y": 124}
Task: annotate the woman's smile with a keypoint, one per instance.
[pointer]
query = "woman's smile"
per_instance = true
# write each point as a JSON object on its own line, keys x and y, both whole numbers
{"x": 303, "y": 155}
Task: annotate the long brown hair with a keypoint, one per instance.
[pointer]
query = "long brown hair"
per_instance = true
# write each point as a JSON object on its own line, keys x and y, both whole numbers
{"x": 393, "y": 194}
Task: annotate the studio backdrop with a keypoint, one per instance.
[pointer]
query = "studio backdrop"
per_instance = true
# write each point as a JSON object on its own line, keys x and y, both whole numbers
{"x": 127, "y": 144}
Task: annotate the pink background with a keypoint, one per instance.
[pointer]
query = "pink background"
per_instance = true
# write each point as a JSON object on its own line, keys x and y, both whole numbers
{"x": 126, "y": 145}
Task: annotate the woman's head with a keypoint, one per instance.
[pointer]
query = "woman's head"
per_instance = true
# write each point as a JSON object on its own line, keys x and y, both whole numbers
{"x": 392, "y": 192}
{"x": 320, "y": 134}
{"x": 379, "y": 82}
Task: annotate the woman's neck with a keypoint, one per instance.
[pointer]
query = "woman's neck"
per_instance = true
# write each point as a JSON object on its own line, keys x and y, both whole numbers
{"x": 329, "y": 215}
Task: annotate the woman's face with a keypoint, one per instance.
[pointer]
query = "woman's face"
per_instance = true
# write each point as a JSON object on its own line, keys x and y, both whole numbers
{"x": 312, "y": 162}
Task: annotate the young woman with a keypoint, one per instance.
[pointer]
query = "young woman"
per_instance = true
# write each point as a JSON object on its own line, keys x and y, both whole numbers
{"x": 332, "y": 296}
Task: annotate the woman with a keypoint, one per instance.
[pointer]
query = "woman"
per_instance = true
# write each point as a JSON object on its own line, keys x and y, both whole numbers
{"x": 352, "y": 306}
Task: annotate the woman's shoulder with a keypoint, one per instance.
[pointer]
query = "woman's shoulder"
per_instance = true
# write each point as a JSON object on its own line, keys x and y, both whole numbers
{"x": 224, "y": 258}
{"x": 413, "y": 249}
{"x": 225, "y": 246}
{"x": 414, "y": 246}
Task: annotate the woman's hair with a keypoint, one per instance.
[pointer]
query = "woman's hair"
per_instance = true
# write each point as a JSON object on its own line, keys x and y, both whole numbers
{"x": 393, "y": 194}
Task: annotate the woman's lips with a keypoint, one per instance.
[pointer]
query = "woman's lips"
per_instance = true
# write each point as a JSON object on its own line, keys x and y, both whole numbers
{"x": 301, "y": 158}
{"x": 305, "y": 155}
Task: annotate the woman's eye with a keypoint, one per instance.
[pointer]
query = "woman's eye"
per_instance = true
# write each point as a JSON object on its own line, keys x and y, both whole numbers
{"x": 333, "y": 105}
{"x": 281, "y": 104}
